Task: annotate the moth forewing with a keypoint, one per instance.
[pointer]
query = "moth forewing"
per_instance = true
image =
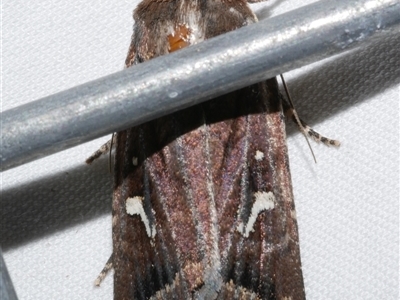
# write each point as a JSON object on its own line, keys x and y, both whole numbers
{"x": 203, "y": 205}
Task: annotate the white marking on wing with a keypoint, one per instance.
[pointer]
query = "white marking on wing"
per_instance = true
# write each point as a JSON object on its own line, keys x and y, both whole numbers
{"x": 134, "y": 206}
{"x": 264, "y": 201}
{"x": 259, "y": 155}
{"x": 293, "y": 214}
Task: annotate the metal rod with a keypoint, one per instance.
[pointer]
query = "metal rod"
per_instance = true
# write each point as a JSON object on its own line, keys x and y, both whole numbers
{"x": 190, "y": 76}
{"x": 7, "y": 291}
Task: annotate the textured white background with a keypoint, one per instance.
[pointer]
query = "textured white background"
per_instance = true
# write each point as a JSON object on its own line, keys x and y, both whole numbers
{"x": 56, "y": 212}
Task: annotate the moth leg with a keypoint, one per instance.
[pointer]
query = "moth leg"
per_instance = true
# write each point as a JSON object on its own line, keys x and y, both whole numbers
{"x": 291, "y": 113}
{"x": 107, "y": 267}
{"x": 104, "y": 149}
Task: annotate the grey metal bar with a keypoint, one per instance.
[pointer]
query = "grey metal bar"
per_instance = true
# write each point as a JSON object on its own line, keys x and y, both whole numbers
{"x": 190, "y": 76}
{"x": 7, "y": 291}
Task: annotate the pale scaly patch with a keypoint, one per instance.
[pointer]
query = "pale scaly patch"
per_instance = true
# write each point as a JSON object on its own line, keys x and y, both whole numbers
{"x": 293, "y": 214}
{"x": 239, "y": 292}
{"x": 259, "y": 155}
{"x": 169, "y": 289}
{"x": 134, "y": 206}
{"x": 194, "y": 274}
{"x": 264, "y": 201}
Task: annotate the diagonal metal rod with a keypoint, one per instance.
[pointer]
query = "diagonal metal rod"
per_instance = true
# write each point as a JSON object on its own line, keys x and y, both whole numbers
{"x": 190, "y": 76}
{"x": 7, "y": 291}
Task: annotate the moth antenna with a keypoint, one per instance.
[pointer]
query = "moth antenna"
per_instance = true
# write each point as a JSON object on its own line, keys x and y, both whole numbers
{"x": 296, "y": 117}
{"x": 109, "y": 153}
{"x": 107, "y": 267}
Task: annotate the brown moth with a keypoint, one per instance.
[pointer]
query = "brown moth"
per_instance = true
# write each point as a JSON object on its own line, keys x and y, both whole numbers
{"x": 203, "y": 205}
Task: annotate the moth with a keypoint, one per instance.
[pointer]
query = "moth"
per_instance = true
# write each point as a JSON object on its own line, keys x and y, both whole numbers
{"x": 202, "y": 202}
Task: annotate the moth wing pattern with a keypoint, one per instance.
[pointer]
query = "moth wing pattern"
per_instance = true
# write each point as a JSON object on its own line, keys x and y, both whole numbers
{"x": 203, "y": 205}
